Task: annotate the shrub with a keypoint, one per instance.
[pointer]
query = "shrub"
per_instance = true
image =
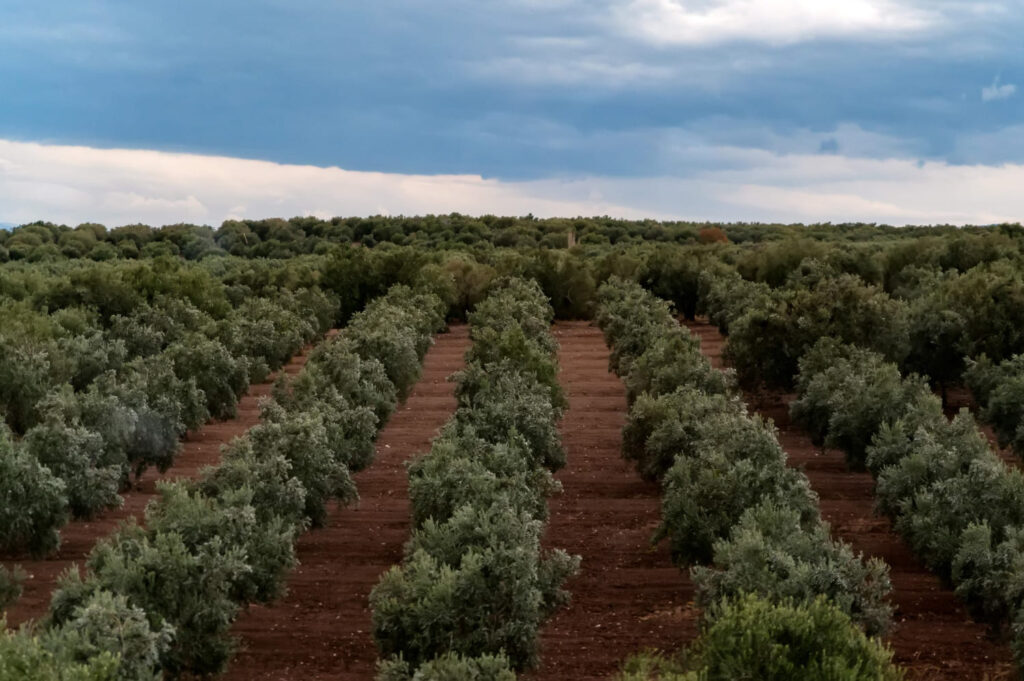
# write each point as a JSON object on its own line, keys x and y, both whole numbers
{"x": 10, "y": 585}
{"x": 35, "y": 502}
{"x": 106, "y": 625}
{"x": 516, "y": 303}
{"x": 462, "y": 468}
{"x": 221, "y": 377}
{"x": 506, "y": 402}
{"x": 187, "y": 590}
{"x": 661, "y": 428}
{"x": 705, "y": 495}
{"x": 336, "y": 365}
{"x": 474, "y": 585}
{"x": 449, "y": 668}
{"x": 267, "y": 472}
{"x": 74, "y": 454}
{"x": 304, "y": 439}
{"x": 844, "y": 405}
{"x": 511, "y": 347}
{"x": 985, "y": 491}
{"x": 231, "y": 521}
{"x": 752, "y": 638}
{"x": 24, "y": 657}
{"x": 773, "y": 553}
{"x": 674, "y": 360}
{"x": 989, "y": 574}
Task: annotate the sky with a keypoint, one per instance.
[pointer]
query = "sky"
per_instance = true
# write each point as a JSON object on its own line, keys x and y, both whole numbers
{"x": 894, "y": 111}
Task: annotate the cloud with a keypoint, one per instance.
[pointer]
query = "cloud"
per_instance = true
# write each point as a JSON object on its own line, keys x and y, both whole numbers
{"x": 73, "y": 184}
{"x": 777, "y": 22}
{"x": 997, "y": 91}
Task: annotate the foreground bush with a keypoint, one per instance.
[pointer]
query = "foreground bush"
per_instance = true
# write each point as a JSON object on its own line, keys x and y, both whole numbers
{"x": 10, "y": 585}
{"x": 772, "y": 553}
{"x": 449, "y": 668}
{"x": 473, "y": 585}
{"x": 750, "y": 638}
{"x": 24, "y": 657}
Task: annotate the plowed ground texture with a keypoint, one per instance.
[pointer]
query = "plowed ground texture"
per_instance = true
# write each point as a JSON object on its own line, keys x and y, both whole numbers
{"x": 199, "y": 450}
{"x": 322, "y": 628}
{"x": 933, "y": 637}
{"x": 628, "y": 596}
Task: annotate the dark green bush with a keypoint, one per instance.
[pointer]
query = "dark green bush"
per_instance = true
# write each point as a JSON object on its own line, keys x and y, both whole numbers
{"x": 449, "y": 668}
{"x": 752, "y": 638}
{"x": 35, "y": 504}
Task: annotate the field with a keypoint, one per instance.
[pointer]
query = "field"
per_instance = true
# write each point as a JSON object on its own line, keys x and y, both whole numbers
{"x": 489, "y": 448}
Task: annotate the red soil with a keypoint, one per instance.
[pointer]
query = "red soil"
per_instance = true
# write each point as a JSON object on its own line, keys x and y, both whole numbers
{"x": 934, "y": 637}
{"x": 199, "y": 449}
{"x": 322, "y": 628}
{"x": 628, "y": 596}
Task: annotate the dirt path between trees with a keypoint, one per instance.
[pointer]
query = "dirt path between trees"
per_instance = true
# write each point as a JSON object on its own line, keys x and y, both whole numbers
{"x": 628, "y": 595}
{"x": 934, "y": 637}
{"x": 321, "y": 629}
{"x": 199, "y": 449}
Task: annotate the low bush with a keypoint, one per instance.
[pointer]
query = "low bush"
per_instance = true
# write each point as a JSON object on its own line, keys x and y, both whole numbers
{"x": 774, "y": 553}
{"x": 475, "y": 584}
{"x": 449, "y": 668}
{"x": 705, "y": 495}
{"x": 752, "y": 638}
{"x": 10, "y": 585}
{"x": 463, "y": 468}
{"x": 661, "y": 428}
{"x": 498, "y": 402}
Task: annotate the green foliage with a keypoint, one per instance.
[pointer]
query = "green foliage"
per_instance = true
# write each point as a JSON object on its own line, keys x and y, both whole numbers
{"x": 10, "y": 585}
{"x": 1000, "y": 391}
{"x": 503, "y": 403}
{"x": 449, "y": 667}
{"x": 107, "y": 625}
{"x": 232, "y": 521}
{"x": 775, "y": 553}
{"x": 189, "y": 590}
{"x": 24, "y": 657}
{"x": 463, "y": 468}
{"x": 845, "y": 404}
{"x": 75, "y": 455}
{"x": 752, "y": 638}
{"x": 34, "y": 502}
{"x": 767, "y": 341}
{"x": 674, "y": 359}
{"x": 661, "y": 428}
{"x": 222, "y": 377}
{"x": 475, "y": 584}
{"x": 705, "y": 495}
{"x": 304, "y": 439}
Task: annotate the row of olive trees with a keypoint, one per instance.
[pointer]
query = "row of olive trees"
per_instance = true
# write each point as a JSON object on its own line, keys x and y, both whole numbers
{"x": 957, "y": 504}
{"x": 475, "y": 585}
{"x": 745, "y": 523}
{"x": 125, "y": 396}
{"x": 157, "y": 599}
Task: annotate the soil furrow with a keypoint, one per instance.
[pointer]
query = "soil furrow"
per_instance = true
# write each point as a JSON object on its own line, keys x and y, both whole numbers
{"x": 933, "y": 637}
{"x": 322, "y": 628}
{"x": 628, "y": 596}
